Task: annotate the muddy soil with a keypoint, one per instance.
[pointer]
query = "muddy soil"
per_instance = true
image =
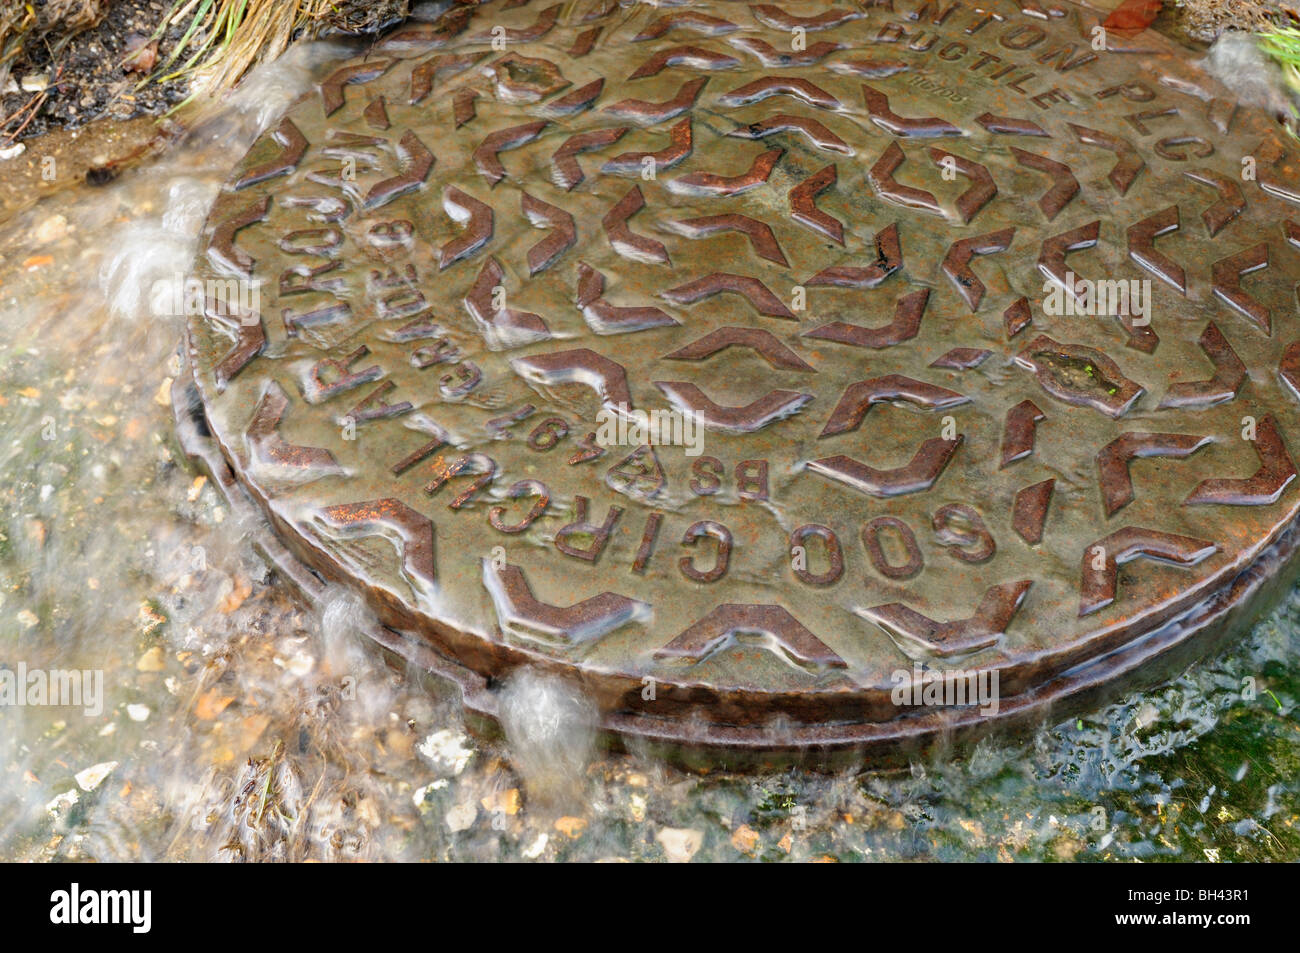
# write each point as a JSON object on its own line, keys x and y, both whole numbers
{"x": 68, "y": 73}
{"x": 90, "y": 76}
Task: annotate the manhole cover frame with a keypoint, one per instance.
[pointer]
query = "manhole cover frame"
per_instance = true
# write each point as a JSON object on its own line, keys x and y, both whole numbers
{"x": 1197, "y": 622}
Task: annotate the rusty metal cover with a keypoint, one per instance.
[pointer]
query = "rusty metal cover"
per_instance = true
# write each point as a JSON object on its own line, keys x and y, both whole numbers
{"x": 875, "y": 251}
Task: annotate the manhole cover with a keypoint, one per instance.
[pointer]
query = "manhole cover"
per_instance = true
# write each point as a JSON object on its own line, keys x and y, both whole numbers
{"x": 510, "y": 262}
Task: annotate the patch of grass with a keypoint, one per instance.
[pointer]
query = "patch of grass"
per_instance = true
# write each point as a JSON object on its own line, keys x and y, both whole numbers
{"x": 16, "y": 22}
{"x": 223, "y": 39}
{"x": 1283, "y": 44}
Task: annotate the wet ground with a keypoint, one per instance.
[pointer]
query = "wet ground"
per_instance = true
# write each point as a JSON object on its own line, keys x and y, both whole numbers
{"x": 236, "y": 726}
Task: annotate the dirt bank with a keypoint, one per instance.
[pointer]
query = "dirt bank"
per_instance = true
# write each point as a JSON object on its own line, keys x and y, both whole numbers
{"x": 64, "y": 63}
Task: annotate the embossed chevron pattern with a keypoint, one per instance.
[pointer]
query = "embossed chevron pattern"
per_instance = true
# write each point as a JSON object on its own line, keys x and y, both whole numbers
{"x": 896, "y": 125}
{"x": 1227, "y": 273}
{"x": 988, "y": 623}
{"x": 761, "y": 237}
{"x": 1128, "y": 163}
{"x": 1114, "y": 458}
{"x": 692, "y": 57}
{"x": 293, "y": 145}
{"x": 1230, "y": 204}
{"x": 269, "y": 447}
{"x": 607, "y": 318}
{"x": 757, "y": 414}
{"x": 1064, "y": 185}
{"x": 634, "y": 163}
{"x": 761, "y": 341}
{"x": 478, "y": 219}
{"x": 1229, "y": 374}
{"x": 564, "y": 232}
{"x": 502, "y": 327}
{"x": 626, "y": 242}
{"x": 803, "y": 204}
{"x": 881, "y": 177}
{"x": 746, "y": 286}
{"x": 392, "y": 516}
{"x": 588, "y": 619}
{"x": 956, "y": 264}
{"x": 712, "y": 183}
{"x": 1102, "y": 559}
{"x": 814, "y": 131}
{"x": 565, "y": 170}
{"x": 858, "y": 399}
{"x": 487, "y": 156}
{"x": 1275, "y": 473}
{"x": 906, "y": 325}
{"x": 1051, "y": 261}
{"x": 641, "y": 111}
{"x": 434, "y": 70}
{"x": 727, "y": 621}
{"x": 1141, "y": 247}
{"x": 982, "y": 189}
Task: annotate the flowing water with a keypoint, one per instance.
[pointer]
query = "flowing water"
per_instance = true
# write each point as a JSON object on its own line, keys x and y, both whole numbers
{"x": 235, "y": 725}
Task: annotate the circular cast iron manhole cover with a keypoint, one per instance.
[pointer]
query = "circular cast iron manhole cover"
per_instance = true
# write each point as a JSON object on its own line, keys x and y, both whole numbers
{"x": 836, "y": 239}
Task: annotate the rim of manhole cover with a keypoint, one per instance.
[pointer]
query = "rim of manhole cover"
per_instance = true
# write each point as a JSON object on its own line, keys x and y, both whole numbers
{"x": 763, "y": 367}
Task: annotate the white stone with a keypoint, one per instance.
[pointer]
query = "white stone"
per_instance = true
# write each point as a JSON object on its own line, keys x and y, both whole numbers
{"x": 94, "y": 776}
{"x": 447, "y": 750}
{"x": 421, "y": 793}
{"x": 62, "y": 803}
{"x": 461, "y": 817}
{"x": 680, "y": 843}
{"x": 1146, "y": 714}
{"x": 50, "y": 229}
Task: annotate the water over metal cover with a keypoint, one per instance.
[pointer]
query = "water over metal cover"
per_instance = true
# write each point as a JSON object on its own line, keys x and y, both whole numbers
{"x": 836, "y": 238}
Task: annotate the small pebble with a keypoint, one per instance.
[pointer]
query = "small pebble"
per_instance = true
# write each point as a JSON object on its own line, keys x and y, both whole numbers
{"x": 422, "y": 792}
{"x": 1147, "y": 714}
{"x": 94, "y": 776}
{"x": 505, "y": 802}
{"x": 636, "y": 804}
{"x": 50, "y": 229}
{"x": 745, "y": 839}
{"x": 446, "y": 750}
{"x": 152, "y": 661}
{"x": 571, "y": 827}
{"x": 461, "y": 817}
{"x": 680, "y": 844}
{"x": 62, "y": 803}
